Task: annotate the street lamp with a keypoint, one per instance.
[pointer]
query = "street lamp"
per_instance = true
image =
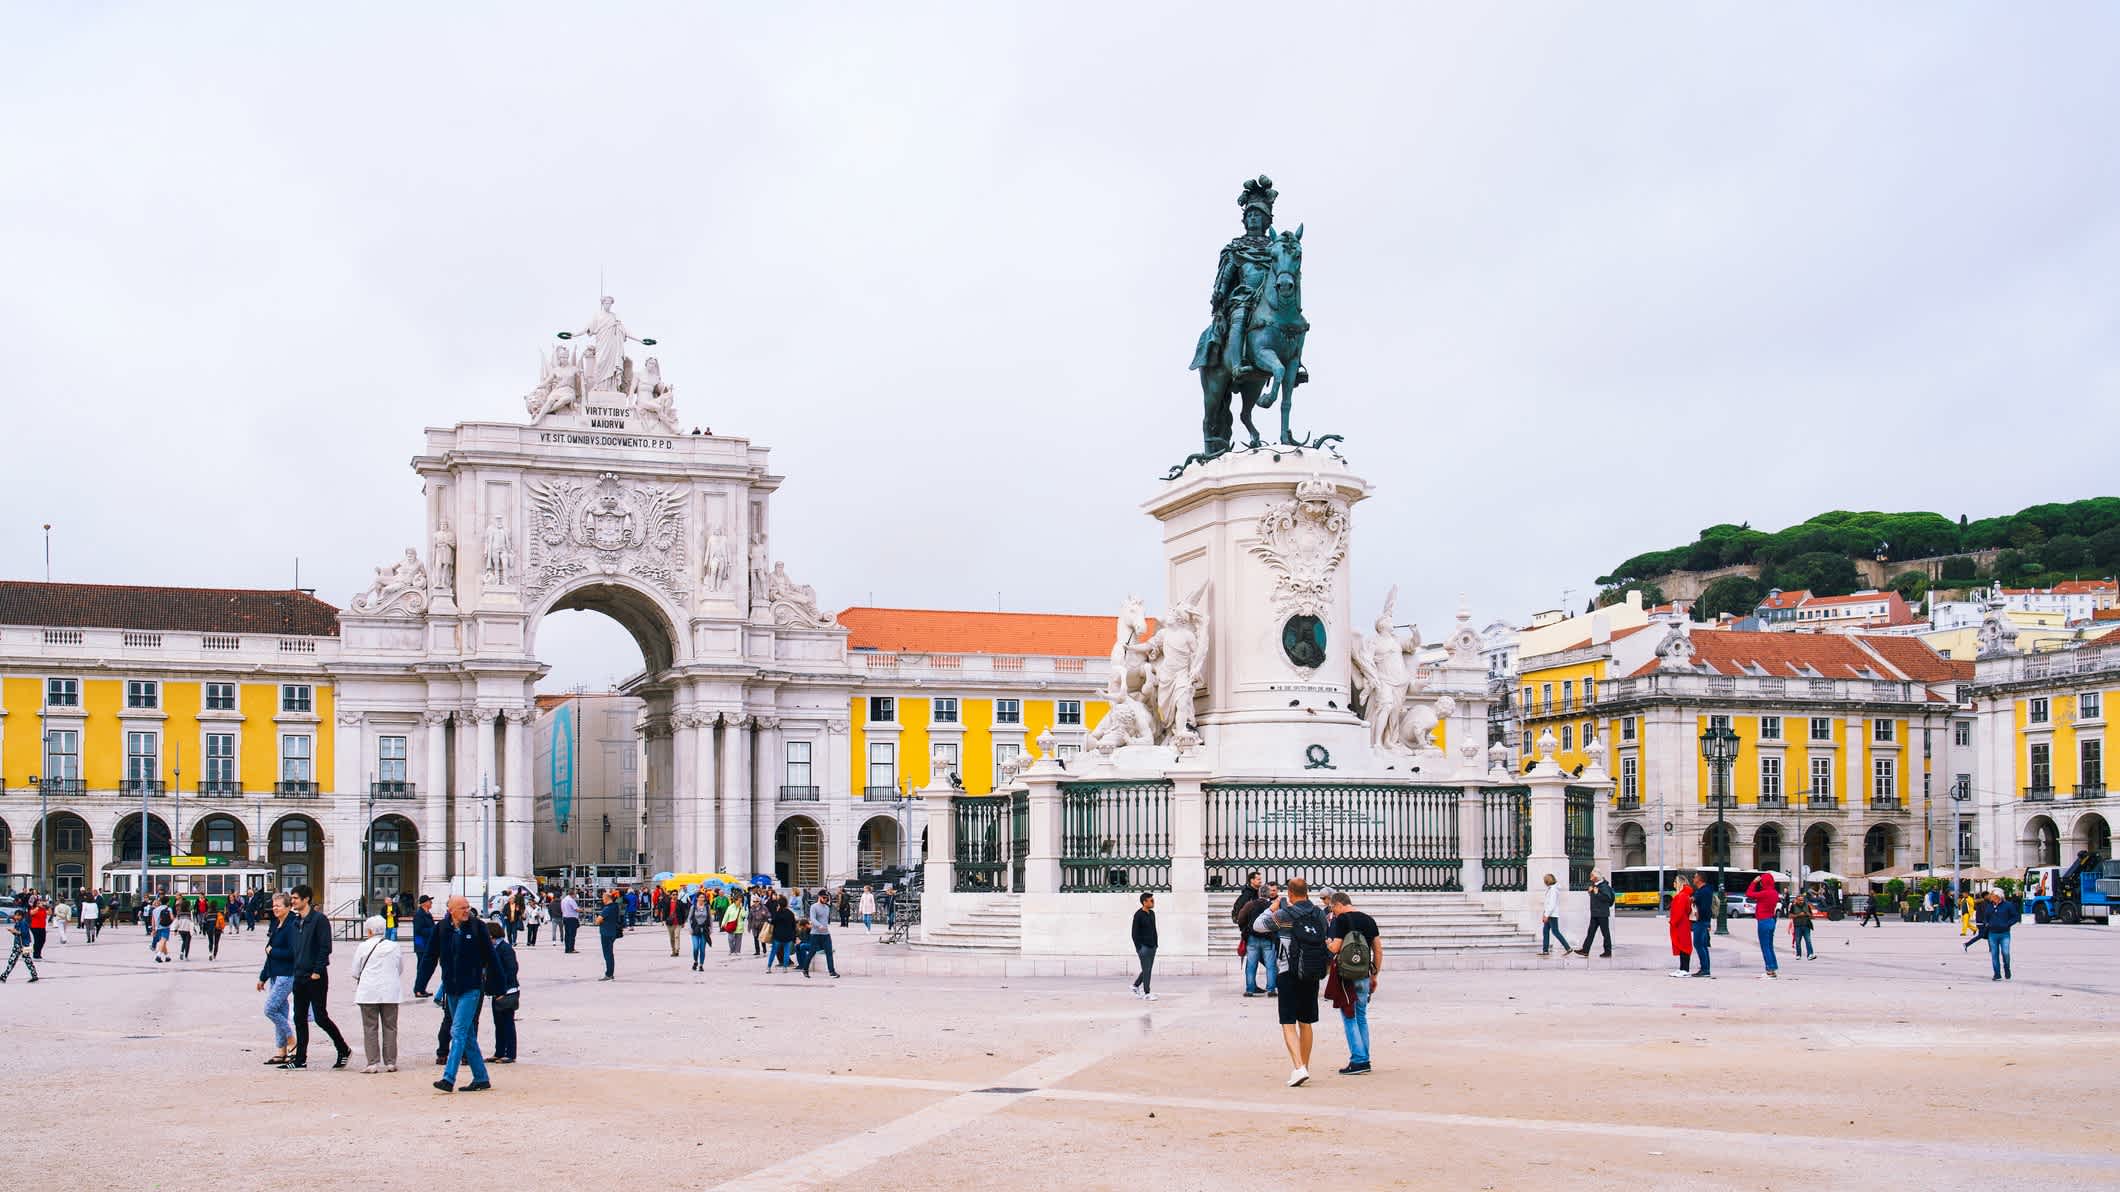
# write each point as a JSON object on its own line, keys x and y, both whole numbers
{"x": 44, "y": 848}
{"x": 1961, "y": 791}
{"x": 1718, "y": 747}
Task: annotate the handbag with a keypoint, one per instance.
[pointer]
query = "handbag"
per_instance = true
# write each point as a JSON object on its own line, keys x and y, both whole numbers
{"x": 766, "y": 936}
{"x": 509, "y": 1002}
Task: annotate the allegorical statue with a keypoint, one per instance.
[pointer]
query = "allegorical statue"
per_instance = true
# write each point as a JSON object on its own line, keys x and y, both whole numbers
{"x": 500, "y": 552}
{"x": 1177, "y": 658}
{"x": 1255, "y": 338}
{"x": 1383, "y": 678}
{"x": 444, "y": 557}
{"x": 608, "y": 337}
{"x": 559, "y": 384}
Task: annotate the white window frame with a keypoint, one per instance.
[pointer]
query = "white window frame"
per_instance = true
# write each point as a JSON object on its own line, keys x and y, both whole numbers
{"x": 887, "y": 705}
{"x": 1004, "y": 750}
{"x": 220, "y": 765}
{"x": 1962, "y": 733}
{"x": 1884, "y": 779}
{"x": 1008, "y": 710}
{"x": 1769, "y": 778}
{"x": 2090, "y": 706}
{"x": 211, "y": 693}
{"x": 1067, "y": 713}
{"x": 143, "y": 695}
{"x": 2086, "y": 763}
{"x": 1630, "y": 776}
{"x": 1883, "y": 730}
{"x": 62, "y": 765}
{"x": 1626, "y": 729}
{"x": 1821, "y": 778}
{"x": 2038, "y": 711}
{"x": 1764, "y": 733}
{"x": 1821, "y": 722}
{"x": 303, "y": 761}
{"x": 61, "y": 691}
{"x": 135, "y": 754}
{"x": 393, "y": 762}
{"x": 791, "y": 764}
{"x": 2032, "y": 766}
{"x": 944, "y": 704}
{"x": 298, "y": 698}
{"x": 887, "y": 751}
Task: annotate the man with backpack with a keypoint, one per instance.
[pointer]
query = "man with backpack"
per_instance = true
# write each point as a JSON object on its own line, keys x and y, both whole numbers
{"x": 1301, "y": 926}
{"x": 1357, "y": 948}
{"x": 1259, "y": 940}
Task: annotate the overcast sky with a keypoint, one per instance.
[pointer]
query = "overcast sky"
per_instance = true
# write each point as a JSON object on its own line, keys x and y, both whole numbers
{"x": 1583, "y": 278}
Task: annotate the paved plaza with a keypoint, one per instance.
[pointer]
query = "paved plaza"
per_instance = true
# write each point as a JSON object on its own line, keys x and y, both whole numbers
{"x": 1890, "y": 1058}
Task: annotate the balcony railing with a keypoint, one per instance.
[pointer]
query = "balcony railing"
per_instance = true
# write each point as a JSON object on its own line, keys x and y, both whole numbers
{"x": 293, "y": 788}
{"x": 1820, "y": 802}
{"x": 1887, "y": 803}
{"x": 393, "y": 789}
{"x": 219, "y": 787}
{"x": 801, "y": 794}
{"x": 1777, "y": 801}
{"x": 2038, "y": 794}
{"x": 1630, "y": 802}
{"x": 57, "y": 787}
{"x": 2090, "y": 790}
{"x": 141, "y": 786}
{"x": 1698, "y": 686}
{"x": 1727, "y": 802}
{"x": 878, "y": 794}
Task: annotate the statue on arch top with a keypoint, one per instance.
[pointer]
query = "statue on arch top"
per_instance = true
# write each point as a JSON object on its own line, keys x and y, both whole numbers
{"x": 608, "y": 337}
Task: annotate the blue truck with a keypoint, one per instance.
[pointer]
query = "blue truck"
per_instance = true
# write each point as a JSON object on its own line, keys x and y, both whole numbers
{"x": 2088, "y": 889}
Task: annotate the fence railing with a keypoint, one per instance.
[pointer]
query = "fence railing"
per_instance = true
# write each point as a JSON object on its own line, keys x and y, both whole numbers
{"x": 1505, "y": 816}
{"x": 1580, "y": 836}
{"x": 982, "y": 838}
{"x": 1114, "y": 836}
{"x": 1355, "y": 836}
{"x": 1019, "y": 837}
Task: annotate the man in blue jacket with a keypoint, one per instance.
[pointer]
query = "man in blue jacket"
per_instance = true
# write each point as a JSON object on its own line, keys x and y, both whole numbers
{"x": 463, "y": 952}
{"x": 423, "y": 945}
{"x": 2002, "y": 914}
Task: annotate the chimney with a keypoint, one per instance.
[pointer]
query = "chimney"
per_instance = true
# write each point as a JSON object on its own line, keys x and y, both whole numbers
{"x": 1634, "y": 601}
{"x": 1601, "y": 625}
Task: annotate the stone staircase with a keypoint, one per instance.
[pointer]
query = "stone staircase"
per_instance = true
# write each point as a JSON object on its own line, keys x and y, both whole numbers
{"x": 1415, "y": 927}
{"x": 994, "y": 929}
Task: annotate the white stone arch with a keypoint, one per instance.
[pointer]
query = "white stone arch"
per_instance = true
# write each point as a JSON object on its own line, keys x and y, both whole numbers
{"x": 879, "y": 842}
{"x": 800, "y": 849}
{"x": 651, "y": 619}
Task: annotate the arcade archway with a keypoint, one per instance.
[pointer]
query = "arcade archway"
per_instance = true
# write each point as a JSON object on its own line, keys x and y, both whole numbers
{"x": 1633, "y": 845}
{"x": 798, "y": 853}
{"x": 296, "y": 849}
{"x": 879, "y": 846}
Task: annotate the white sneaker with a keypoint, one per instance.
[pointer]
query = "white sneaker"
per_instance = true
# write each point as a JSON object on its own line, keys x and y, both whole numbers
{"x": 1136, "y": 991}
{"x": 1676, "y": 973}
{"x": 1148, "y": 997}
{"x": 1298, "y": 1076}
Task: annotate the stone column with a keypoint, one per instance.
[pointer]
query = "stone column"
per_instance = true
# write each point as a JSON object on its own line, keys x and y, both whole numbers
{"x": 1595, "y": 777}
{"x": 487, "y": 855}
{"x": 735, "y": 842}
{"x": 348, "y": 774}
{"x": 760, "y": 790}
{"x": 434, "y": 834}
{"x": 706, "y": 823}
{"x": 1472, "y": 838}
{"x": 1041, "y": 868}
{"x": 1188, "y": 826}
{"x": 939, "y": 875}
{"x": 768, "y": 763}
{"x": 519, "y": 803}
{"x": 1549, "y": 833}
{"x": 684, "y": 793}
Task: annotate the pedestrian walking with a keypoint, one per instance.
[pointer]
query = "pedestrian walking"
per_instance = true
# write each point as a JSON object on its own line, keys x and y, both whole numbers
{"x": 534, "y": 917}
{"x": 40, "y": 913}
{"x": 185, "y": 925}
{"x": 1681, "y": 925}
{"x": 732, "y": 915}
{"x": 1145, "y": 947}
{"x": 1242, "y": 914}
{"x": 702, "y": 923}
{"x": 2002, "y": 915}
{"x": 503, "y": 988}
{"x": 1980, "y": 917}
{"x": 312, "y": 981}
{"x": 610, "y": 926}
{"x": 276, "y": 980}
{"x": 1800, "y": 929}
{"x": 91, "y": 915}
{"x": 1304, "y": 957}
{"x": 160, "y": 917}
{"x": 422, "y": 944}
{"x": 1357, "y": 948}
{"x": 1766, "y": 906}
{"x": 1704, "y": 897}
{"x": 463, "y": 952}
{"x": 761, "y": 924}
{"x": 22, "y": 945}
{"x": 890, "y": 907}
{"x": 780, "y": 932}
{"x": 1601, "y": 899}
{"x": 60, "y": 913}
{"x": 1260, "y": 942}
{"x": 378, "y": 987}
{"x": 1966, "y": 913}
{"x": 1550, "y": 921}
{"x": 868, "y": 908}
{"x": 1869, "y": 913}
{"x": 820, "y": 939}
{"x": 215, "y": 922}
{"x": 672, "y": 912}
{"x": 570, "y": 920}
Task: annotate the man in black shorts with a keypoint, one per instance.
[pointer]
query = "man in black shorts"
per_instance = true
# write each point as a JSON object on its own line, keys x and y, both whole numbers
{"x": 1301, "y": 927}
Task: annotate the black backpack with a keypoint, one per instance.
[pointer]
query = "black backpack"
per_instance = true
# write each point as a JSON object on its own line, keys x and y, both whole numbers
{"x": 1306, "y": 935}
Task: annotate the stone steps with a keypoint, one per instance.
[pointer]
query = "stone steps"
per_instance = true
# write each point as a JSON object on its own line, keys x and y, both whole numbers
{"x": 1425, "y": 924}
{"x": 994, "y": 929}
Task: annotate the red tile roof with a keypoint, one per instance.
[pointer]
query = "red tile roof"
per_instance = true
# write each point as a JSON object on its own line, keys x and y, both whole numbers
{"x": 177, "y": 610}
{"x": 2078, "y": 587}
{"x": 1786, "y": 599}
{"x": 955, "y": 631}
{"x": 1832, "y": 655}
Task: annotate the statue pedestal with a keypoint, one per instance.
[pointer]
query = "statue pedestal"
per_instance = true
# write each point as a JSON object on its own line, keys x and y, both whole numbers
{"x": 1270, "y": 536}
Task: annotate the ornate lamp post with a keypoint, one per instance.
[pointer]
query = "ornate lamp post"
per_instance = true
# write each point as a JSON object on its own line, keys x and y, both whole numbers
{"x": 1718, "y": 747}
{"x": 1961, "y": 791}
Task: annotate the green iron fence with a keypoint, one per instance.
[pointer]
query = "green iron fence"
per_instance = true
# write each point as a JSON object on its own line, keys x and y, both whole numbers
{"x": 1581, "y": 836}
{"x": 1350, "y": 836}
{"x": 1506, "y": 836}
{"x": 1114, "y": 836}
{"x": 1019, "y": 836}
{"x": 982, "y": 841}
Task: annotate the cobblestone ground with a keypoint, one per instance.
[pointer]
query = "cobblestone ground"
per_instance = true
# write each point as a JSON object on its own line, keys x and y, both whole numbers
{"x": 1891, "y": 1061}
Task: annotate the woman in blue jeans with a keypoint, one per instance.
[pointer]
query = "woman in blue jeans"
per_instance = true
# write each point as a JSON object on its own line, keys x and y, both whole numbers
{"x": 1766, "y": 905}
{"x": 782, "y": 923}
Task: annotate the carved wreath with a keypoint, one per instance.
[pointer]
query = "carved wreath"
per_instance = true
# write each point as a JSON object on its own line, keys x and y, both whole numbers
{"x": 1303, "y": 540}
{"x": 611, "y": 528}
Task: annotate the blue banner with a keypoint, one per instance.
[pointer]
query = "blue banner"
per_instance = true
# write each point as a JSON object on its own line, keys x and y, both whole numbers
{"x": 563, "y": 765}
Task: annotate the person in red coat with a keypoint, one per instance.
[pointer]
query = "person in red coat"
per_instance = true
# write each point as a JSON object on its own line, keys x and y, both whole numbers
{"x": 1682, "y": 927}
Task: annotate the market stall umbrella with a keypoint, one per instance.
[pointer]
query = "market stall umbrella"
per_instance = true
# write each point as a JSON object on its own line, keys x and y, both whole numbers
{"x": 1822, "y": 875}
{"x": 1978, "y": 873}
{"x": 662, "y": 877}
{"x": 1899, "y": 871}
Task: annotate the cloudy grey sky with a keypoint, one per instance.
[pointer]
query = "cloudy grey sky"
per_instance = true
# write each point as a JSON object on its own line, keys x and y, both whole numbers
{"x": 1583, "y": 278}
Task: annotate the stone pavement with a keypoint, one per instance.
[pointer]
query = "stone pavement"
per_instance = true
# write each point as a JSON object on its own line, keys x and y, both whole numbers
{"x": 1889, "y": 1060}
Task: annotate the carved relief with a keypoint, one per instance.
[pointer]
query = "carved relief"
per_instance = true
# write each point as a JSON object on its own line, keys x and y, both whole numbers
{"x": 792, "y": 604}
{"x": 1303, "y": 540}
{"x": 398, "y": 591}
{"x": 608, "y": 528}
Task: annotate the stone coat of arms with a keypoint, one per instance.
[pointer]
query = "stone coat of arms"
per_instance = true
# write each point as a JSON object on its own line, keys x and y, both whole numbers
{"x": 1303, "y": 540}
{"x": 608, "y": 528}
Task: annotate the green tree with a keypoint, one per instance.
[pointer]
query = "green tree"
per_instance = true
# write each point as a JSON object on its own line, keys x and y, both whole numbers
{"x": 2065, "y": 552}
{"x": 1735, "y": 594}
{"x": 1652, "y": 593}
{"x": 1959, "y": 567}
{"x": 1911, "y": 585}
{"x": 1825, "y": 573}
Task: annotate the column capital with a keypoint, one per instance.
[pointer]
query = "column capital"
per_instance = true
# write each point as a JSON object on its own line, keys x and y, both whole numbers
{"x": 434, "y": 716}
{"x": 518, "y": 715}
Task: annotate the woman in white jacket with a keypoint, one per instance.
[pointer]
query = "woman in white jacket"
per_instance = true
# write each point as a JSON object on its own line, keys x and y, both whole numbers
{"x": 533, "y": 918}
{"x": 378, "y": 987}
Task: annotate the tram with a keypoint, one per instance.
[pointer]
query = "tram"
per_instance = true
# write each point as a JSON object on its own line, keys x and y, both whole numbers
{"x": 214, "y": 876}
